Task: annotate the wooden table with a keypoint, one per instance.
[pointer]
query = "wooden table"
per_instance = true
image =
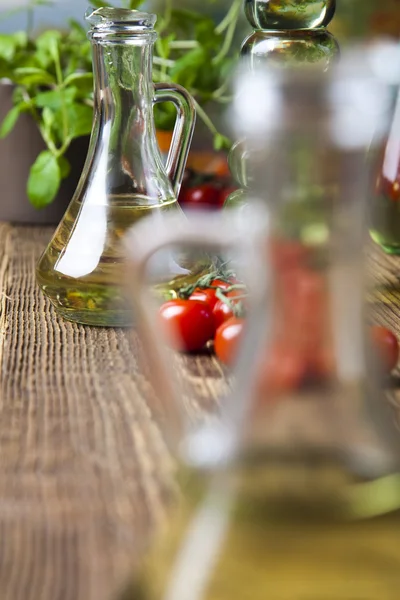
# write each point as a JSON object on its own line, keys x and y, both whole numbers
{"x": 84, "y": 470}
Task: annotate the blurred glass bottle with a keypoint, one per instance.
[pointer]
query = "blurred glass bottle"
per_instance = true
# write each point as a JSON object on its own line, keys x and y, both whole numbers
{"x": 286, "y": 34}
{"x": 289, "y": 14}
{"x": 124, "y": 178}
{"x": 385, "y": 201}
{"x": 294, "y": 492}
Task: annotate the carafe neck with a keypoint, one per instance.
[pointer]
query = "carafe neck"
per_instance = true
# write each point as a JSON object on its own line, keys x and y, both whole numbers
{"x": 122, "y": 43}
{"x": 123, "y": 83}
{"x": 125, "y": 161}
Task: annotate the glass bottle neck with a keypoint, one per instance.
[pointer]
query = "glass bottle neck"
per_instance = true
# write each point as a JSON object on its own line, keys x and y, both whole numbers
{"x": 123, "y": 81}
{"x": 124, "y": 131}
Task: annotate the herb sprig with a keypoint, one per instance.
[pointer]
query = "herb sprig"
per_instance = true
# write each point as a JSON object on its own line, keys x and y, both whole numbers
{"x": 53, "y": 80}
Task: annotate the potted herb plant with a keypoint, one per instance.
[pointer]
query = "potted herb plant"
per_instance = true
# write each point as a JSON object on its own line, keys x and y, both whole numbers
{"x": 47, "y": 95}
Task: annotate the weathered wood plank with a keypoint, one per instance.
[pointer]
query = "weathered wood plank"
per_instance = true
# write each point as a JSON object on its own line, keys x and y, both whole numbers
{"x": 84, "y": 470}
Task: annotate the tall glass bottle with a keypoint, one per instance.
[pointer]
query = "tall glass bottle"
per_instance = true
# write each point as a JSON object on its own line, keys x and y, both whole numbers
{"x": 124, "y": 178}
{"x": 385, "y": 207}
{"x": 294, "y": 493}
{"x": 289, "y": 14}
{"x": 286, "y": 33}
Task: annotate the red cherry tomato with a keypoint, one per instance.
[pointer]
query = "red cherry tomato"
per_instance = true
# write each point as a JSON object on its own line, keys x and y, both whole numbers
{"x": 223, "y": 284}
{"x": 227, "y": 339}
{"x": 188, "y": 324}
{"x": 387, "y": 345}
{"x": 201, "y": 196}
{"x": 207, "y": 295}
{"x": 223, "y": 312}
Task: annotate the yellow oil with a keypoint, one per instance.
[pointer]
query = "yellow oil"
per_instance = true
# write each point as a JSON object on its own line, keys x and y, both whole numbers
{"x": 274, "y": 531}
{"x": 82, "y": 269}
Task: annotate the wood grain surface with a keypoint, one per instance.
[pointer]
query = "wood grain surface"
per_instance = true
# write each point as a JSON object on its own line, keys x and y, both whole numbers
{"x": 84, "y": 470}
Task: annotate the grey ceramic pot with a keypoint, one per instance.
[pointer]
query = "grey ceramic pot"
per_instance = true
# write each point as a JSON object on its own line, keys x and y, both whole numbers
{"x": 17, "y": 154}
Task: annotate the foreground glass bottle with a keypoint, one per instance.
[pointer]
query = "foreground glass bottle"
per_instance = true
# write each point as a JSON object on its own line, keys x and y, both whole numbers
{"x": 124, "y": 178}
{"x": 385, "y": 213}
{"x": 294, "y": 492}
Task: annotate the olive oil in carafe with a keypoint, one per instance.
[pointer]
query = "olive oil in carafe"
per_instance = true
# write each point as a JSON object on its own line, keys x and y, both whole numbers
{"x": 82, "y": 269}
{"x": 269, "y": 532}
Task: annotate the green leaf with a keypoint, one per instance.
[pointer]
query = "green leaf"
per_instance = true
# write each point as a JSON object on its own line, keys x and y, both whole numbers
{"x": 206, "y": 36}
{"x": 65, "y": 167}
{"x": 44, "y": 180}
{"x": 9, "y": 121}
{"x": 48, "y": 43}
{"x": 55, "y": 99}
{"x": 81, "y": 119}
{"x": 185, "y": 69}
{"x": 183, "y": 14}
{"x": 43, "y": 58}
{"x": 82, "y": 81}
{"x": 7, "y": 47}
{"x": 21, "y": 39}
{"x": 163, "y": 45}
{"x": 32, "y": 76}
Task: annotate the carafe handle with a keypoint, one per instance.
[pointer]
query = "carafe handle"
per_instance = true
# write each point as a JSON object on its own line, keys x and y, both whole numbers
{"x": 183, "y": 132}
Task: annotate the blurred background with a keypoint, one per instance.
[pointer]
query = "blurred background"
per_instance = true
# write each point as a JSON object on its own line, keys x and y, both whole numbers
{"x": 354, "y": 18}
{"x": 203, "y": 67}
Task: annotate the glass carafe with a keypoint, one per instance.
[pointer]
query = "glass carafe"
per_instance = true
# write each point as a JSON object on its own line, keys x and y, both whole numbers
{"x": 293, "y": 493}
{"x": 289, "y": 14}
{"x": 124, "y": 179}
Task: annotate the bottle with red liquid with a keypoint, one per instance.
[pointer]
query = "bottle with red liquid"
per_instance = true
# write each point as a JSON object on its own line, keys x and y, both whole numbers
{"x": 385, "y": 217}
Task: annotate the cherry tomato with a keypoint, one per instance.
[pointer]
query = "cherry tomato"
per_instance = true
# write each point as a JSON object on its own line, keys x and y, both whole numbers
{"x": 223, "y": 312}
{"x": 188, "y": 324}
{"x": 201, "y": 196}
{"x": 387, "y": 345}
{"x": 223, "y": 284}
{"x": 227, "y": 339}
{"x": 207, "y": 295}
